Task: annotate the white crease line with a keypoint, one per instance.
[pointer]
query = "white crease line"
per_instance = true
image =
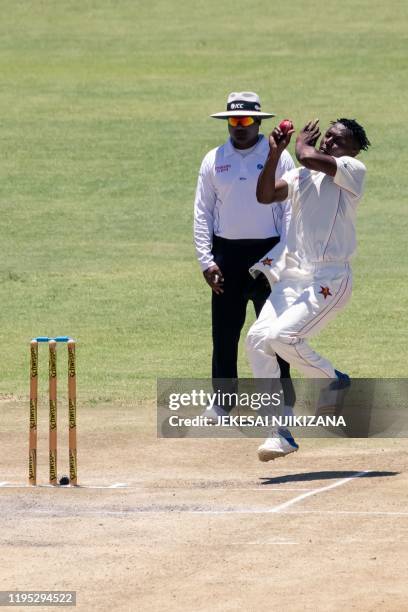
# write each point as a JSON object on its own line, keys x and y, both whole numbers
{"x": 261, "y": 488}
{"x": 299, "y": 498}
{"x": 287, "y": 504}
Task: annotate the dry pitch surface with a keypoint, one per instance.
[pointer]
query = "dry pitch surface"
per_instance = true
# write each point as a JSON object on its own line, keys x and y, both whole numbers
{"x": 201, "y": 524}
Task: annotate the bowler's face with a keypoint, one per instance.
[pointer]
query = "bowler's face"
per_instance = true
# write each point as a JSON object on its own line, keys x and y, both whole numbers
{"x": 338, "y": 141}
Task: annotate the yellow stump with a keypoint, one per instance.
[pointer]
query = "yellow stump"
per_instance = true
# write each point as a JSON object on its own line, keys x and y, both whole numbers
{"x": 32, "y": 465}
{"x": 52, "y": 347}
{"x": 73, "y": 474}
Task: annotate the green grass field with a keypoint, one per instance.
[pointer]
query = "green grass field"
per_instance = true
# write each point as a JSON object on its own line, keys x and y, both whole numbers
{"x": 104, "y": 122}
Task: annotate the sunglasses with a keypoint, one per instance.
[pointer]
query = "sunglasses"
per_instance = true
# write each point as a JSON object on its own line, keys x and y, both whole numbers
{"x": 244, "y": 121}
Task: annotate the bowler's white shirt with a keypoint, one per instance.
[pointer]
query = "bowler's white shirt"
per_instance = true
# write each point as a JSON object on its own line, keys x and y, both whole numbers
{"x": 322, "y": 227}
{"x": 226, "y": 204}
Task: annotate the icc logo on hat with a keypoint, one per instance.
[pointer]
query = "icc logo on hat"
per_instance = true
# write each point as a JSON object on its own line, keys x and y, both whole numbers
{"x": 242, "y": 104}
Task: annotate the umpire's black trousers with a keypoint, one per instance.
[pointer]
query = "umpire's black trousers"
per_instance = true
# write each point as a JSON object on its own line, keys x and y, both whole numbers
{"x": 234, "y": 258}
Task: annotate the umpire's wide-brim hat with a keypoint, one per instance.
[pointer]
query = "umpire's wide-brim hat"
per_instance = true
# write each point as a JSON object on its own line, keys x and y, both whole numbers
{"x": 243, "y": 104}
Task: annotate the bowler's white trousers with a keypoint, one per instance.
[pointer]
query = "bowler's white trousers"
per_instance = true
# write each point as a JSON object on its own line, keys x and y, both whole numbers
{"x": 305, "y": 299}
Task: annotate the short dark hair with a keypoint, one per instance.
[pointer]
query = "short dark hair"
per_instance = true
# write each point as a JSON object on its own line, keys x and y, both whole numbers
{"x": 357, "y": 130}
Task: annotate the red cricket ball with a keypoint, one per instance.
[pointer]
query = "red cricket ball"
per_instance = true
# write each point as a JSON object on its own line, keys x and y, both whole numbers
{"x": 286, "y": 125}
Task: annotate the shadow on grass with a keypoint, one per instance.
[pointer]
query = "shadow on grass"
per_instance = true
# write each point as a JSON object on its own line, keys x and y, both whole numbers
{"x": 328, "y": 475}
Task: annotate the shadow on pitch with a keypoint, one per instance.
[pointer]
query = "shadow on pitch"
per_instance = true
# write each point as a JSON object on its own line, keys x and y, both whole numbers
{"x": 329, "y": 475}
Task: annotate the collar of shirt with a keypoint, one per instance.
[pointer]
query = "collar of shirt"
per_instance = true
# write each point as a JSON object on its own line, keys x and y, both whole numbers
{"x": 260, "y": 149}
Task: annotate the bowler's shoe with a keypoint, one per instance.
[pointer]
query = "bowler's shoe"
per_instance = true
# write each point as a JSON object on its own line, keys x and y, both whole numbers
{"x": 281, "y": 443}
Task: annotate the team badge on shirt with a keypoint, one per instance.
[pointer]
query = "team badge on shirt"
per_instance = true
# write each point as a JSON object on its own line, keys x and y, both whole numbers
{"x": 267, "y": 261}
{"x": 325, "y": 291}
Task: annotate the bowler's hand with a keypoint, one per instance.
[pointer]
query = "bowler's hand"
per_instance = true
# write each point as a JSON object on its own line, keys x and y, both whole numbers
{"x": 278, "y": 141}
{"x": 214, "y": 278}
{"x": 310, "y": 134}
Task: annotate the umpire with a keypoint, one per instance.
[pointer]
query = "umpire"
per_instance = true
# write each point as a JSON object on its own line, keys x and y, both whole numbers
{"x": 232, "y": 231}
